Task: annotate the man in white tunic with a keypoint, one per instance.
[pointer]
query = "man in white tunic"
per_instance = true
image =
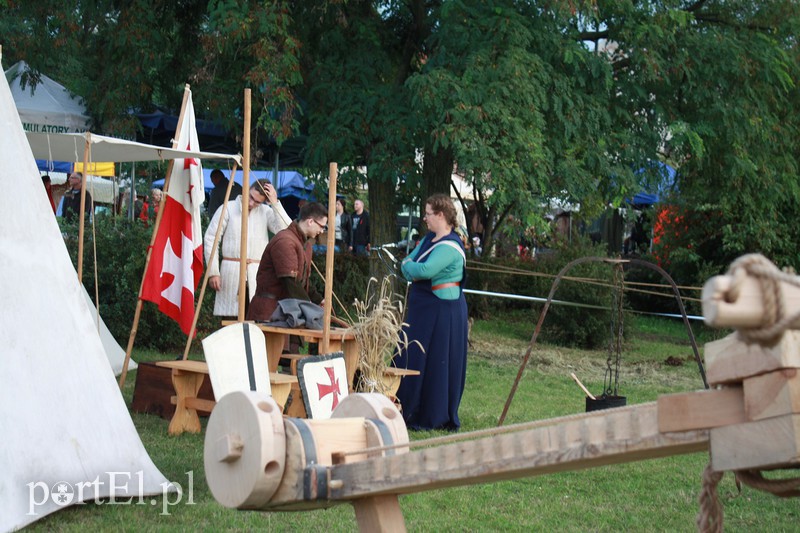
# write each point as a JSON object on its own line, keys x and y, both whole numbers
{"x": 262, "y": 218}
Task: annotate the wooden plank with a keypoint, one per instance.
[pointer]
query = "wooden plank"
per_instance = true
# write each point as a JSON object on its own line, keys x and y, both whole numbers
{"x": 760, "y": 444}
{"x": 701, "y": 409}
{"x": 730, "y": 360}
{"x": 381, "y": 513}
{"x": 338, "y": 435}
{"x": 569, "y": 443}
{"x": 772, "y": 394}
{"x": 200, "y": 367}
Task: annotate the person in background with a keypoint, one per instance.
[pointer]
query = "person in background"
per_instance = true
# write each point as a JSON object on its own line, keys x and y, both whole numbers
{"x": 155, "y": 203}
{"x": 144, "y": 210}
{"x": 359, "y": 243}
{"x": 343, "y": 226}
{"x": 218, "y": 193}
{"x": 71, "y": 206}
{"x": 261, "y": 219}
{"x": 48, "y": 188}
{"x": 436, "y": 325}
{"x": 285, "y": 266}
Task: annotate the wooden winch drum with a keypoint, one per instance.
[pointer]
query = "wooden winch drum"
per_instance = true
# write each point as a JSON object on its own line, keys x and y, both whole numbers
{"x": 257, "y": 459}
{"x": 605, "y": 402}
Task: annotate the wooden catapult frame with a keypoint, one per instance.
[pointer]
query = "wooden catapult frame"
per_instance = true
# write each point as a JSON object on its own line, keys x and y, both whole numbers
{"x": 749, "y": 420}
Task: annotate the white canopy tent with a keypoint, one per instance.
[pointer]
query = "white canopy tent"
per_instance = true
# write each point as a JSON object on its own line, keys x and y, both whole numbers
{"x": 63, "y": 417}
{"x": 70, "y": 147}
{"x": 50, "y": 107}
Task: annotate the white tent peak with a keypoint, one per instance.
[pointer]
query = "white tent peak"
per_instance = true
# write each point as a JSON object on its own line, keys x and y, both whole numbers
{"x": 46, "y": 107}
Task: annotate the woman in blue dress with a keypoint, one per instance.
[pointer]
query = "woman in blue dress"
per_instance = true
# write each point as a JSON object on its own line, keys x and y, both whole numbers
{"x": 437, "y": 321}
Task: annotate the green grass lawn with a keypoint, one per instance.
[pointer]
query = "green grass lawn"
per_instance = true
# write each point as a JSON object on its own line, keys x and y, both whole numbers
{"x": 658, "y": 495}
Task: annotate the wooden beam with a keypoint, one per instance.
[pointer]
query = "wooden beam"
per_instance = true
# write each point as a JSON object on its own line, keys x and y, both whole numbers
{"x": 760, "y": 444}
{"x": 571, "y": 443}
{"x": 731, "y": 360}
{"x": 701, "y": 409}
{"x": 772, "y": 394}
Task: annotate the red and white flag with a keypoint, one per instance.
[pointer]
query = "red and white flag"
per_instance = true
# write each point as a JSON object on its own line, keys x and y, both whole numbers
{"x": 176, "y": 263}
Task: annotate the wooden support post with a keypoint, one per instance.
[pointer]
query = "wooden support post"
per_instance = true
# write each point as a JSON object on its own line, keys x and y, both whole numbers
{"x": 380, "y": 513}
{"x": 333, "y": 172}
{"x": 245, "y": 205}
{"x": 82, "y": 214}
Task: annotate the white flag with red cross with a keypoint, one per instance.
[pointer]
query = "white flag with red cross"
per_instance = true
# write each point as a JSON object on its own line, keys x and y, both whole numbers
{"x": 176, "y": 263}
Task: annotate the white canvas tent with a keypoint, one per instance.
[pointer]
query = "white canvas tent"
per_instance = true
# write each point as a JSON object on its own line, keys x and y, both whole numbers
{"x": 114, "y": 352}
{"x": 70, "y": 147}
{"x": 62, "y": 415}
{"x": 50, "y": 107}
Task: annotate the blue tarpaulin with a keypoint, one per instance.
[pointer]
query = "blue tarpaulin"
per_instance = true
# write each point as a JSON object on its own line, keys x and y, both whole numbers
{"x": 54, "y": 166}
{"x": 290, "y": 183}
{"x": 653, "y": 194}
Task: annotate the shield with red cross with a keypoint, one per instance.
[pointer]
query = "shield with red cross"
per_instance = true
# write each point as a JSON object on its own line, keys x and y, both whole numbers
{"x": 323, "y": 382}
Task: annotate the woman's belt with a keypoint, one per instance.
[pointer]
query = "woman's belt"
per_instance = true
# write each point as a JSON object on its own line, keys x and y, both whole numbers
{"x": 446, "y": 285}
{"x": 249, "y": 261}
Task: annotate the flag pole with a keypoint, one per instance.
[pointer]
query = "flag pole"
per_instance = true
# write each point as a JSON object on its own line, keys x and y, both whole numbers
{"x": 82, "y": 214}
{"x": 243, "y": 292}
{"x": 333, "y": 171}
{"x": 213, "y": 254}
{"x": 157, "y": 223}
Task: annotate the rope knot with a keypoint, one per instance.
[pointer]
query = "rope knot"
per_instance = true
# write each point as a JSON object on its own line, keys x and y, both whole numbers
{"x": 774, "y": 323}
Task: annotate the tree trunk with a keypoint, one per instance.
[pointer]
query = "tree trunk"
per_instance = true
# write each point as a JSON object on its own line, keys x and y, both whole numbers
{"x": 437, "y": 170}
{"x": 382, "y": 211}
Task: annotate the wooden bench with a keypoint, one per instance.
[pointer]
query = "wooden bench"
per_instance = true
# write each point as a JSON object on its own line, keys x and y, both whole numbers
{"x": 188, "y": 376}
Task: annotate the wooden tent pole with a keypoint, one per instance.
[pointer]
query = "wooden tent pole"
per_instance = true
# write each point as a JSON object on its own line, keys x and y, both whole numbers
{"x": 333, "y": 172}
{"x": 82, "y": 215}
{"x": 214, "y": 247}
{"x": 243, "y": 293}
{"x": 138, "y": 313}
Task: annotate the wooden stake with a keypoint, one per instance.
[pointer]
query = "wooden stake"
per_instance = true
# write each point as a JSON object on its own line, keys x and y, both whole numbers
{"x": 589, "y": 394}
{"x": 82, "y": 215}
{"x": 203, "y": 286}
{"x": 333, "y": 172}
{"x": 138, "y": 313}
{"x": 245, "y": 206}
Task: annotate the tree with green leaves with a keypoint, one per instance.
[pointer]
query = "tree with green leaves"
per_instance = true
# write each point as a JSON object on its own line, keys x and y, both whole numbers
{"x": 527, "y": 100}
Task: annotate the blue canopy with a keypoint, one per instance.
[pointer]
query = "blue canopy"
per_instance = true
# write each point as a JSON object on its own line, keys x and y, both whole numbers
{"x": 54, "y": 166}
{"x": 653, "y": 194}
{"x": 289, "y": 183}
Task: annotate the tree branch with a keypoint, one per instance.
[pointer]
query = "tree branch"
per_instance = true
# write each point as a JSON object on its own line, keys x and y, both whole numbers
{"x": 593, "y": 35}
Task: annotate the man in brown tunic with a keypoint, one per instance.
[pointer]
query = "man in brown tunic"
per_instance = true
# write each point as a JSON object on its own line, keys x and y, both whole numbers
{"x": 286, "y": 264}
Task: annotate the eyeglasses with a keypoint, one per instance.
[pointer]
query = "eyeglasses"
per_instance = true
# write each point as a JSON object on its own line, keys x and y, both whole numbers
{"x": 323, "y": 228}
{"x": 429, "y": 215}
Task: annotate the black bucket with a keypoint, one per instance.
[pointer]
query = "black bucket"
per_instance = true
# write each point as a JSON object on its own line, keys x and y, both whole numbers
{"x": 605, "y": 402}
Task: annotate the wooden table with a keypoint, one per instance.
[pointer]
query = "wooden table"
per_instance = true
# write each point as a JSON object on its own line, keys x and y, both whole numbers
{"x": 188, "y": 376}
{"x": 340, "y": 341}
